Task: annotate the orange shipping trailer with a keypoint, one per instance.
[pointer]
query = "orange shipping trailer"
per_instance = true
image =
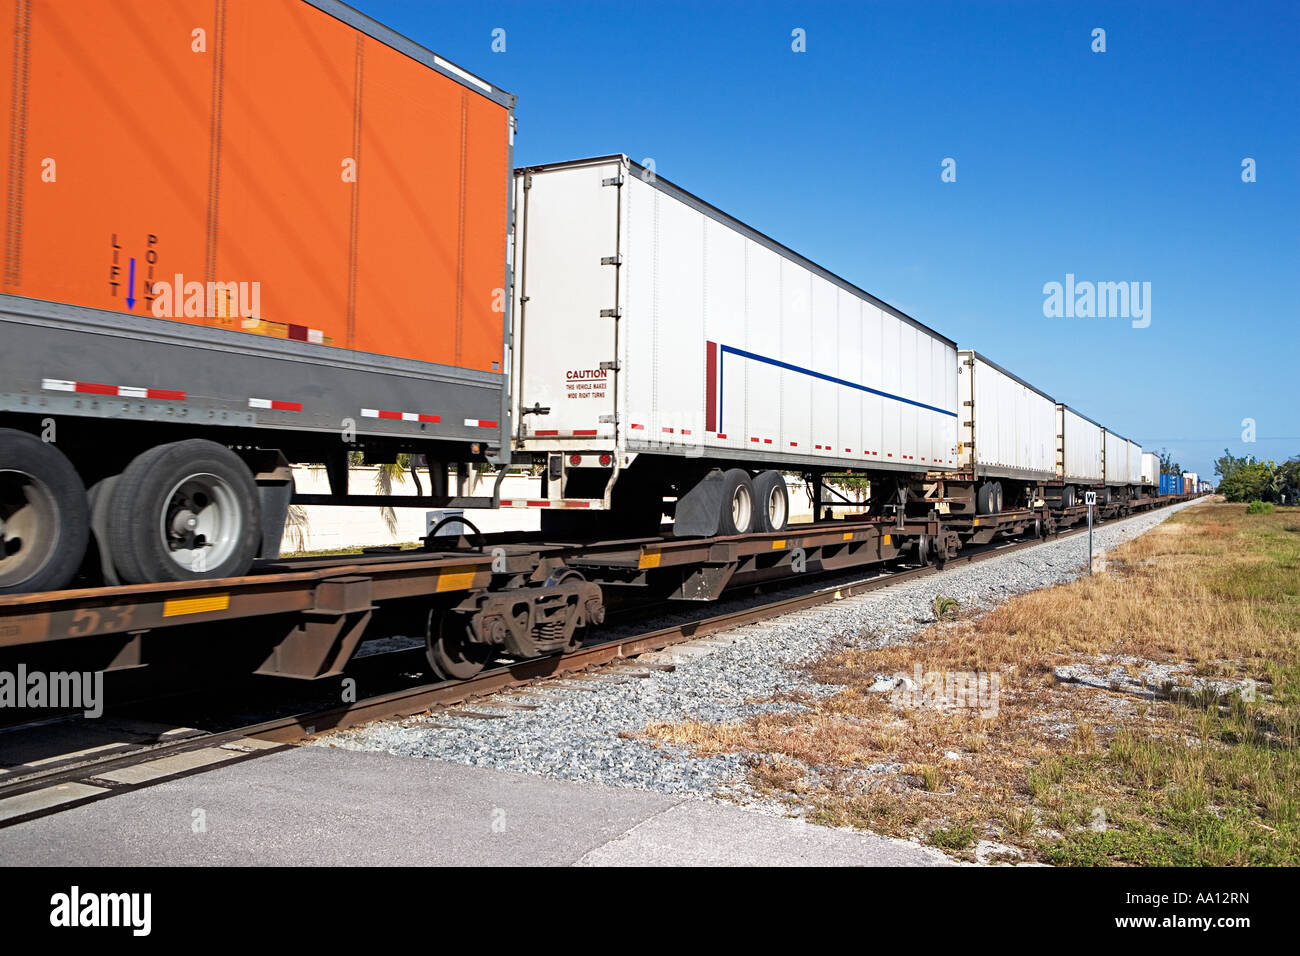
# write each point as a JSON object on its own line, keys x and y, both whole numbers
{"x": 273, "y": 225}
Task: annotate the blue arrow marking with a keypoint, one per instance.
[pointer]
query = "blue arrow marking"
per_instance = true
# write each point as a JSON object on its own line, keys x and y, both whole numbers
{"x": 130, "y": 289}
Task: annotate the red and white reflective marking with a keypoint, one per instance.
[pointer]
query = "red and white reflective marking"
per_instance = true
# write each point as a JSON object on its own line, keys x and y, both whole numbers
{"x": 478, "y": 423}
{"x": 300, "y": 333}
{"x": 121, "y": 391}
{"x": 565, "y": 432}
{"x": 546, "y": 503}
{"x": 274, "y": 405}
{"x": 639, "y": 427}
{"x": 400, "y": 416}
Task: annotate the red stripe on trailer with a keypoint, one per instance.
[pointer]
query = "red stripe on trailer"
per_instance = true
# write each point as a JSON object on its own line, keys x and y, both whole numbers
{"x": 479, "y": 423}
{"x": 767, "y": 441}
{"x": 794, "y": 444}
{"x": 167, "y": 395}
{"x": 577, "y": 504}
{"x": 666, "y": 431}
{"x": 584, "y": 431}
{"x": 711, "y": 386}
{"x": 94, "y": 388}
{"x": 686, "y": 431}
{"x": 753, "y": 439}
{"x": 849, "y": 450}
{"x": 546, "y": 432}
{"x": 721, "y": 435}
{"x": 889, "y": 454}
{"x": 538, "y": 504}
{"x": 641, "y": 427}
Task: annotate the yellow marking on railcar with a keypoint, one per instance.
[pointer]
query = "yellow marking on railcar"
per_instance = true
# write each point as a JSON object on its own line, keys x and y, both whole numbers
{"x": 886, "y": 539}
{"x": 455, "y": 579}
{"x": 848, "y": 535}
{"x": 650, "y": 559}
{"x": 778, "y": 545}
{"x": 176, "y": 607}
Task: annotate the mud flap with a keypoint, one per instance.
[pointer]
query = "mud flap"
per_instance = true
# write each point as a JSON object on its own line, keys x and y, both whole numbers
{"x": 699, "y": 511}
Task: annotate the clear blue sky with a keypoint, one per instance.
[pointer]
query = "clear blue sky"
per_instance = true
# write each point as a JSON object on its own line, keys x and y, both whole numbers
{"x": 1115, "y": 166}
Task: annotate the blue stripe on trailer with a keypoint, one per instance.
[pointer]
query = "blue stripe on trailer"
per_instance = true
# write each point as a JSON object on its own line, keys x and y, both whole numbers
{"x": 753, "y": 356}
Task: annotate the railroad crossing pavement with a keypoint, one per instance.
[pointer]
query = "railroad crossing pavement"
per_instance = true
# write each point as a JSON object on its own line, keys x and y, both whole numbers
{"x": 321, "y": 806}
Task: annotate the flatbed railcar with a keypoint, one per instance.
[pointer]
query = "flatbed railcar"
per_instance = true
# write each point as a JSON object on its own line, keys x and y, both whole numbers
{"x": 472, "y": 598}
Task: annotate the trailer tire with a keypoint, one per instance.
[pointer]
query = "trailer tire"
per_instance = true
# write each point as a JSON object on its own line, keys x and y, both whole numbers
{"x": 985, "y": 500}
{"x": 152, "y": 515}
{"x": 737, "y": 503}
{"x": 772, "y": 501}
{"x": 997, "y": 495}
{"x": 44, "y": 517}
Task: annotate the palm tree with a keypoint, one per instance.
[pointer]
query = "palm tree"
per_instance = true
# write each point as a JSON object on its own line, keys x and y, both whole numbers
{"x": 385, "y": 476}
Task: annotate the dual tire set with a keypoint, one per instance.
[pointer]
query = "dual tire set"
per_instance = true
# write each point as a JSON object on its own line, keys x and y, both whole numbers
{"x": 180, "y": 511}
{"x": 760, "y": 503}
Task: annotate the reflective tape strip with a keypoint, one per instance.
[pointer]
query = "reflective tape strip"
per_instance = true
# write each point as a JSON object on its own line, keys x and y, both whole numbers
{"x": 396, "y": 416}
{"x": 195, "y": 605}
{"x": 455, "y": 579}
{"x": 649, "y": 559}
{"x": 547, "y": 503}
{"x": 121, "y": 391}
{"x": 479, "y": 423}
{"x": 275, "y": 405}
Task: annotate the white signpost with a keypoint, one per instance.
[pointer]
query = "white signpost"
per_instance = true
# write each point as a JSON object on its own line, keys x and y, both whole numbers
{"x": 1090, "y": 498}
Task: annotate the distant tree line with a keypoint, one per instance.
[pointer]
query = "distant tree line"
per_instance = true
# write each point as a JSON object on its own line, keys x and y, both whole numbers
{"x": 1249, "y": 479}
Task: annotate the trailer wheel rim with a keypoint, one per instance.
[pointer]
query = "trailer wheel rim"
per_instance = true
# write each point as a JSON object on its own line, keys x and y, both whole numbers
{"x": 29, "y": 529}
{"x": 775, "y": 508}
{"x": 742, "y": 508}
{"x": 201, "y": 523}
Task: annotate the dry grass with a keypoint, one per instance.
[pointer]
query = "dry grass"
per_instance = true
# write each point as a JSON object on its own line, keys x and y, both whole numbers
{"x": 1070, "y": 773}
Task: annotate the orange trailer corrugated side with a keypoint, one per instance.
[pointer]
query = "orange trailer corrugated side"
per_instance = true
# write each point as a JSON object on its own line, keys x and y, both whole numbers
{"x": 254, "y": 141}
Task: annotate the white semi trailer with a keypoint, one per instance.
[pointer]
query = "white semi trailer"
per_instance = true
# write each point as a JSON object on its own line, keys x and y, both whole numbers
{"x": 670, "y": 359}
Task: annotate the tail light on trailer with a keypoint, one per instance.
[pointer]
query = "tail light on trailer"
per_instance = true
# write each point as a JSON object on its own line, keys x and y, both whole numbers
{"x": 606, "y": 460}
{"x": 575, "y": 460}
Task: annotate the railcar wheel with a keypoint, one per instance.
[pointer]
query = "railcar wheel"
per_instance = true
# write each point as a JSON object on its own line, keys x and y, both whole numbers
{"x": 184, "y": 511}
{"x": 44, "y": 517}
{"x": 737, "y": 503}
{"x": 448, "y": 648}
{"x": 923, "y": 550}
{"x": 773, "y": 501}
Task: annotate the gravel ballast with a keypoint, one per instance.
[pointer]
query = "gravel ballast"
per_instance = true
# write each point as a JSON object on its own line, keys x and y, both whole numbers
{"x": 593, "y": 733}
